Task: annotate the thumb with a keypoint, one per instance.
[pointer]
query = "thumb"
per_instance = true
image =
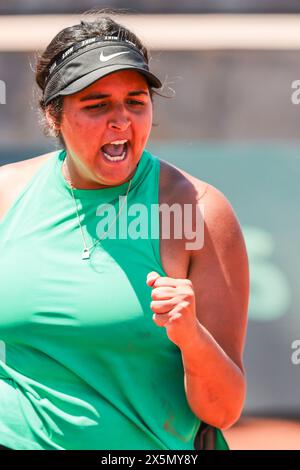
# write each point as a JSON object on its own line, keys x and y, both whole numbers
{"x": 151, "y": 278}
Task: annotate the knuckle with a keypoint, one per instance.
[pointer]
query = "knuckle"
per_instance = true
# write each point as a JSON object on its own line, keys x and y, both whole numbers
{"x": 187, "y": 297}
{"x": 190, "y": 292}
{"x": 184, "y": 304}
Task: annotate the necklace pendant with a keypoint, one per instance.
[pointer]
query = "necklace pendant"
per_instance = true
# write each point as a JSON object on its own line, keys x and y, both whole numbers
{"x": 86, "y": 254}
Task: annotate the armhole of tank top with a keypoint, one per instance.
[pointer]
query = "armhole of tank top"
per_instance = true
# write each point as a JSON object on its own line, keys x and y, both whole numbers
{"x": 156, "y": 242}
{"x": 24, "y": 190}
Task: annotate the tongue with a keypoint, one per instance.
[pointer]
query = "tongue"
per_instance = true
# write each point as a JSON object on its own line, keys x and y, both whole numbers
{"x": 114, "y": 150}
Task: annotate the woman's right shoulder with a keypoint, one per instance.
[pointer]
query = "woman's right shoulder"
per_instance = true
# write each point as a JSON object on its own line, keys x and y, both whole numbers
{"x": 15, "y": 176}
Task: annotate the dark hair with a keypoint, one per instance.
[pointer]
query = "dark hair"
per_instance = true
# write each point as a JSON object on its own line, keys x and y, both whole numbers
{"x": 99, "y": 26}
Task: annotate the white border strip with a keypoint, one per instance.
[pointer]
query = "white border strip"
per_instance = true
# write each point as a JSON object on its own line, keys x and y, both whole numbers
{"x": 165, "y": 32}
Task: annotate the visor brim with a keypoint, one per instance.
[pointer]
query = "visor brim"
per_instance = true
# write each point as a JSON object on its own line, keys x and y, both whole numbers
{"x": 90, "y": 78}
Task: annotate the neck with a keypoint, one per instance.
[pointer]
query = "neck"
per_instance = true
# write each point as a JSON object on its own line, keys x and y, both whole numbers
{"x": 70, "y": 175}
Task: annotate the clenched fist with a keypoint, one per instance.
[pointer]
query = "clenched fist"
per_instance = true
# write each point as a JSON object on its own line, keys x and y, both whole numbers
{"x": 174, "y": 306}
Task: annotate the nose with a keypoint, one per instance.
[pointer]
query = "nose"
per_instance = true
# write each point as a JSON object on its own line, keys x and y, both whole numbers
{"x": 119, "y": 120}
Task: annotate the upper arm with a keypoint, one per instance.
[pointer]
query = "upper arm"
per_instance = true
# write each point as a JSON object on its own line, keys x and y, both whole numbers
{"x": 220, "y": 276}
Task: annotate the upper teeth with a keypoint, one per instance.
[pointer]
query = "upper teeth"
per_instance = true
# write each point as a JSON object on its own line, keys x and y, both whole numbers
{"x": 118, "y": 142}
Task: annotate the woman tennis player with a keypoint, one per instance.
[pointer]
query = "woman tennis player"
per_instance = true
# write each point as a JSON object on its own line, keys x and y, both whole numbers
{"x": 125, "y": 341}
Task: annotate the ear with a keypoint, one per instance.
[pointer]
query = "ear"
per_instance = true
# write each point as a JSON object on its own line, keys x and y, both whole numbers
{"x": 52, "y": 123}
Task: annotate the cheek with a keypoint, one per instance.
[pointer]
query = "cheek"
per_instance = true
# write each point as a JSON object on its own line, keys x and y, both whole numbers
{"x": 78, "y": 129}
{"x": 144, "y": 126}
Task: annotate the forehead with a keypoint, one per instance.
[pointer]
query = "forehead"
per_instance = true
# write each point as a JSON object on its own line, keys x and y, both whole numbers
{"x": 122, "y": 81}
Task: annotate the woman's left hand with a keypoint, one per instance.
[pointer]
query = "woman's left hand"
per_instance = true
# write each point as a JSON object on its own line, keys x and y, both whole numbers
{"x": 174, "y": 306}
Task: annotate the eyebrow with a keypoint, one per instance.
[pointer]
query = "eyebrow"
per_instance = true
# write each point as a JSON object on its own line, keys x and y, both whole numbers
{"x": 137, "y": 92}
{"x": 101, "y": 96}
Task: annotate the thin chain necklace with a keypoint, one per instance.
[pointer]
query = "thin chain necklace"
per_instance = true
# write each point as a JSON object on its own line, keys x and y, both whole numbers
{"x": 87, "y": 250}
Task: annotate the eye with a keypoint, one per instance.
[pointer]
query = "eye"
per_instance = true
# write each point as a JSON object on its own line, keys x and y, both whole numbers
{"x": 135, "y": 102}
{"x": 96, "y": 106}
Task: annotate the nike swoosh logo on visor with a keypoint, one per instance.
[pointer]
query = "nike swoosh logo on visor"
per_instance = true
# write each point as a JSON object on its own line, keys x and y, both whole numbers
{"x": 105, "y": 58}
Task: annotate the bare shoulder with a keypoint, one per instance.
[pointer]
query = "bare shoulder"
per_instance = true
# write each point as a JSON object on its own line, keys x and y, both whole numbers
{"x": 179, "y": 186}
{"x": 176, "y": 185}
{"x": 174, "y": 179}
{"x": 220, "y": 220}
{"x": 15, "y": 176}
{"x": 27, "y": 166}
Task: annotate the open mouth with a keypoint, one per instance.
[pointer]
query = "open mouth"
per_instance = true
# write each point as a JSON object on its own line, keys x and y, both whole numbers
{"x": 115, "y": 151}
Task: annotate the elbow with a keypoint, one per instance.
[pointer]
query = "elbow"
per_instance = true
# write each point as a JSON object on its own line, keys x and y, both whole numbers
{"x": 222, "y": 420}
{"x": 233, "y": 410}
{"x": 229, "y": 421}
{"x": 225, "y": 418}
{"x": 229, "y": 410}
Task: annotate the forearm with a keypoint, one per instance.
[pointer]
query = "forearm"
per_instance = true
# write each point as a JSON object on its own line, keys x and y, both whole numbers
{"x": 215, "y": 386}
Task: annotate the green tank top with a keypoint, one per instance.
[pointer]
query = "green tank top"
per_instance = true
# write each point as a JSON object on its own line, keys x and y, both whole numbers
{"x": 83, "y": 365}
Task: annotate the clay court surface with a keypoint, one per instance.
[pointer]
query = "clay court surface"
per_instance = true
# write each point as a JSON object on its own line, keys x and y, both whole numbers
{"x": 264, "y": 434}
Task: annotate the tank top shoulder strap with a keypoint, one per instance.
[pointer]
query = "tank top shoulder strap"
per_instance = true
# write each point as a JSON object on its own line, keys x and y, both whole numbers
{"x": 149, "y": 195}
